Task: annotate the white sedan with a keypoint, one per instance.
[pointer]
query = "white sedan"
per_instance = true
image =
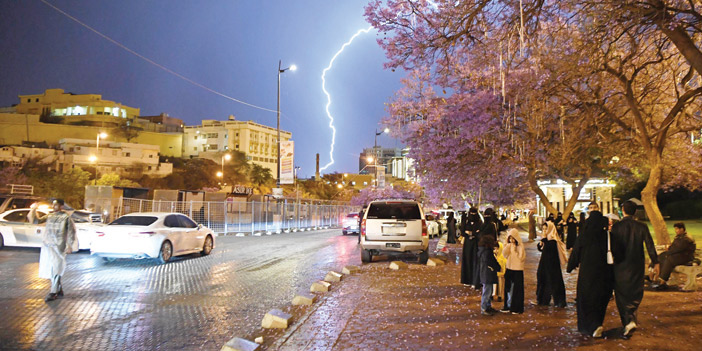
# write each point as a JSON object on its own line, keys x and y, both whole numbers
{"x": 16, "y": 230}
{"x": 159, "y": 235}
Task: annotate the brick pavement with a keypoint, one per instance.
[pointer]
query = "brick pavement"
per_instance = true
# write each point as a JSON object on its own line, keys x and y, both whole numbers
{"x": 426, "y": 308}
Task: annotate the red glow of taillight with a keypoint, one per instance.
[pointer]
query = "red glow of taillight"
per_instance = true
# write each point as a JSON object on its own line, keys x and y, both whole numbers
{"x": 363, "y": 227}
{"x": 424, "y": 227}
{"x": 100, "y": 233}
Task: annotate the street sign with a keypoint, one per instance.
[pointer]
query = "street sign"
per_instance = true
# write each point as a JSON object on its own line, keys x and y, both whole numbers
{"x": 380, "y": 176}
{"x": 287, "y": 169}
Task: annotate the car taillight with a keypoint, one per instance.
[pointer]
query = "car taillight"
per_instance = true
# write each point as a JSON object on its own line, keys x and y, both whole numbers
{"x": 363, "y": 227}
{"x": 147, "y": 232}
{"x": 424, "y": 227}
{"x": 100, "y": 233}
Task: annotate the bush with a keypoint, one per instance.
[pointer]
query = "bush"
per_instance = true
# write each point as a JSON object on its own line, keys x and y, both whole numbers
{"x": 683, "y": 209}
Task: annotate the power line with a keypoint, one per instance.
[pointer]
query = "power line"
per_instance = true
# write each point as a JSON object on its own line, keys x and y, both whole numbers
{"x": 122, "y": 46}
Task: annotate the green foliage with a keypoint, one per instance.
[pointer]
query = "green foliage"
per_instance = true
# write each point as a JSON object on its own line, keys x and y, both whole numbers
{"x": 113, "y": 179}
{"x": 683, "y": 209}
{"x": 126, "y": 131}
{"x": 69, "y": 186}
{"x": 47, "y": 117}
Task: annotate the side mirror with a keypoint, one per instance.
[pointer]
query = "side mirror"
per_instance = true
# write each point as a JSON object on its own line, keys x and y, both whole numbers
{"x": 199, "y": 226}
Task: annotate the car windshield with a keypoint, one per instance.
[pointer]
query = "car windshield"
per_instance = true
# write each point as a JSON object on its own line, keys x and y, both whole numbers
{"x": 134, "y": 220}
{"x": 394, "y": 211}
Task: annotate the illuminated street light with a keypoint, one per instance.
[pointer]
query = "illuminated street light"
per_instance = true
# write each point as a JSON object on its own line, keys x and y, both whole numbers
{"x": 369, "y": 159}
{"x": 220, "y": 174}
{"x": 280, "y": 70}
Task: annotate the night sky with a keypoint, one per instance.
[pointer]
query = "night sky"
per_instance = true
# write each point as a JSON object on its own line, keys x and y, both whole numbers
{"x": 230, "y": 46}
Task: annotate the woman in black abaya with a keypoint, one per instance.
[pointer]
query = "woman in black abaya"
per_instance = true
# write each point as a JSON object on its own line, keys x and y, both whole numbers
{"x": 470, "y": 225}
{"x": 451, "y": 226}
{"x": 549, "y": 278}
{"x": 595, "y": 276}
{"x": 572, "y": 226}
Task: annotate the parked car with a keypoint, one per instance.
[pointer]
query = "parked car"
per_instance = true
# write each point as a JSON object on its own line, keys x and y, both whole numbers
{"x": 350, "y": 224}
{"x": 433, "y": 226}
{"x": 16, "y": 201}
{"x": 16, "y": 230}
{"x": 159, "y": 235}
{"x": 396, "y": 226}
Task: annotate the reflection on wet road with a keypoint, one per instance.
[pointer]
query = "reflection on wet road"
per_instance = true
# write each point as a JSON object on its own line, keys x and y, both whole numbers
{"x": 193, "y": 302}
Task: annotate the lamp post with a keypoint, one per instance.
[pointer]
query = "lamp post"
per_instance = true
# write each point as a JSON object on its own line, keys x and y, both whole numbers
{"x": 280, "y": 70}
{"x": 94, "y": 159}
{"x": 225, "y": 157}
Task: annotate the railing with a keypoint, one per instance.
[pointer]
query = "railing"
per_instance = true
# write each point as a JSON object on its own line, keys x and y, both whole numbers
{"x": 246, "y": 217}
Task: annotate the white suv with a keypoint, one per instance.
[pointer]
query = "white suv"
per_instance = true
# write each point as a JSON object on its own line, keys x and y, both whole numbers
{"x": 394, "y": 225}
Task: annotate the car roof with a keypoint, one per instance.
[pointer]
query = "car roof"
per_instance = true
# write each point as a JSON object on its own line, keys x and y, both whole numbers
{"x": 396, "y": 201}
{"x": 155, "y": 214}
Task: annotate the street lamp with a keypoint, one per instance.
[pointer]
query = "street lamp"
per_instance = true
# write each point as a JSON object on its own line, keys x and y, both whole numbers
{"x": 225, "y": 157}
{"x": 280, "y": 70}
{"x": 386, "y": 131}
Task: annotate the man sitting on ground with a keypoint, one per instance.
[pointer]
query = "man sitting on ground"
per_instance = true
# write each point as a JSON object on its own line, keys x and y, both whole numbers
{"x": 680, "y": 252}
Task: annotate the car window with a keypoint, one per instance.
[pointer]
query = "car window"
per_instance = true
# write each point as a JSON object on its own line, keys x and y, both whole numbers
{"x": 186, "y": 222}
{"x": 22, "y": 203}
{"x": 17, "y": 216}
{"x": 171, "y": 221}
{"x": 134, "y": 220}
{"x": 394, "y": 211}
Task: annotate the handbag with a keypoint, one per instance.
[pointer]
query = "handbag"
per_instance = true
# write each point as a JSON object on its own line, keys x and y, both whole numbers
{"x": 610, "y": 258}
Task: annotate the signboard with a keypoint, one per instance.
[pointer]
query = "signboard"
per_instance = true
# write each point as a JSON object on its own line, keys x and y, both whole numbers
{"x": 380, "y": 176}
{"x": 585, "y": 194}
{"x": 242, "y": 190}
{"x": 277, "y": 193}
{"x": 287, "y": 168}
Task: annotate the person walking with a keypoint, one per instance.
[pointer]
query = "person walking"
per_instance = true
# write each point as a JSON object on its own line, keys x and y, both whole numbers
{"x": 560, "y": 225}
{"x": 628, "y": 238}
{"x": 532, "y": 226}
{"x": 681, "y": 251}
{"x": 490, "y": 226}
{"x": 469, "y": 257}
{"x": 595, "y": 277}
{"x": 514, "y": 274}
{"x": 59, "y": 239}
{"x": 488, "y": 272}
{"x": 549, "y": 278}
{"x": 572, "y": 230}
{"x": 451, "y": 226}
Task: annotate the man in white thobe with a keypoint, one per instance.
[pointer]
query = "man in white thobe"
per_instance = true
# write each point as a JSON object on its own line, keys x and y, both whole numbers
{"x": 59, "y": 239}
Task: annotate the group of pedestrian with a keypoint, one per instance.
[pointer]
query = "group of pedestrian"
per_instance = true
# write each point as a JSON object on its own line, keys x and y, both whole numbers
{"x": 480, "y": 266}
{"x": 610, "y": 259}
{"x": 609, "y": 256}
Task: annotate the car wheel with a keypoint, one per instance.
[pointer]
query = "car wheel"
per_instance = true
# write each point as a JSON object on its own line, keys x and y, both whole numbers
{"x": 207, "y": 247}
{"x": 366, "y": 256}
{"x": 2, "y": 241}
{"x": 166, "y": 252}
{"x": 343, "y": 232}
{"x": 424, "y": 257}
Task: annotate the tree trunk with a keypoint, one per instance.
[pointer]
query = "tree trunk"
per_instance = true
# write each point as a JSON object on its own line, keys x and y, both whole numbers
{"x": 574, "y": 197}
{"x": 681, "y": 39}
{"x": 649, "y": 198}
{"x": 531, "y": 176}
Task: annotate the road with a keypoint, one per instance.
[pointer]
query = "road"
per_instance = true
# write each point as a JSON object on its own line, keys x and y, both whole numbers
{"x": 193, "y": 302}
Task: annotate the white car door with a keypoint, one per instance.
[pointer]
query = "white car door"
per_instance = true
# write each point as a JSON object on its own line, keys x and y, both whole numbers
{"x": 176, "y": 234}
{"x": 192, "y": 234}
{"x": 25, "y": 233}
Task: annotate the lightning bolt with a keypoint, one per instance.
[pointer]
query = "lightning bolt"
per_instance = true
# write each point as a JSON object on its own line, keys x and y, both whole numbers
{"x": 324, "y": 83}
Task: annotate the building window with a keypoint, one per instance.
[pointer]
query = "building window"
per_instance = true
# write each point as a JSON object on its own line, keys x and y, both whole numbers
{"x": 149, "y": 168}
{"x": 195, "y": 148}
{"x": 214, "y": 146}
{"x": 151, "y": 156}
{"x": 127, "y": 154}
{"x": 29, "y": 100}
{"x": 237, "y": 146}
{"x": 37, "y": 100}
{"x": 195, "y": 137}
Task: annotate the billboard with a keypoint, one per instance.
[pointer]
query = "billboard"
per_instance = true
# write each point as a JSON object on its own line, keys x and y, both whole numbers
{"x": 380, "y": 176}
{"x": 287, "y": 165}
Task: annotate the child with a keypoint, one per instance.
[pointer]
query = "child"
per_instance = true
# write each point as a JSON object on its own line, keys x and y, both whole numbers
{"x": 514, "y": 275}
{"x": 488, "y": 272}
{"x": 500, "y": 291}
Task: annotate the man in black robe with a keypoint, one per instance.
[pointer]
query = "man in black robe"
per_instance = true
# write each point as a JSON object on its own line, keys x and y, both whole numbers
{"x": 628, "y": 237}
{"x": 595, "y": 275}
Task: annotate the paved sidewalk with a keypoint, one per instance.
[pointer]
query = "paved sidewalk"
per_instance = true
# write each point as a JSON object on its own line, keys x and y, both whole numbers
{"x": 426, "y": 308}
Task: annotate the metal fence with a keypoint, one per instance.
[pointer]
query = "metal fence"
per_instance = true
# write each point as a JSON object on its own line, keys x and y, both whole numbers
{"x": 246, "y": 217}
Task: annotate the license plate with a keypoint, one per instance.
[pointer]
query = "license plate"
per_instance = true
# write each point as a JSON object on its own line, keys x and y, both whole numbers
{"x": 395, "y": 245}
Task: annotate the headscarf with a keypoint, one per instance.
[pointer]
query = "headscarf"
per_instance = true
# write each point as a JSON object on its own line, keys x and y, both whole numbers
{"x": 552, "y": 234}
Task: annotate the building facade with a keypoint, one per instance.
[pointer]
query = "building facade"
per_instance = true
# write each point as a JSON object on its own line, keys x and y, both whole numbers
{"x": 210, "y": 139}
{"x": 558, "y": 192}
{"x": 379, "y": 156}
{"x": 73, "y": 106}
{"x": 125, "y": 159}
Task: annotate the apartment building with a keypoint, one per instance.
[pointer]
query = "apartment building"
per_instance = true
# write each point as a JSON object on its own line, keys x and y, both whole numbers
{"x": 258, "y": 142}
{"x": 73, "y": 106}
{"x": 127, "y": 159}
